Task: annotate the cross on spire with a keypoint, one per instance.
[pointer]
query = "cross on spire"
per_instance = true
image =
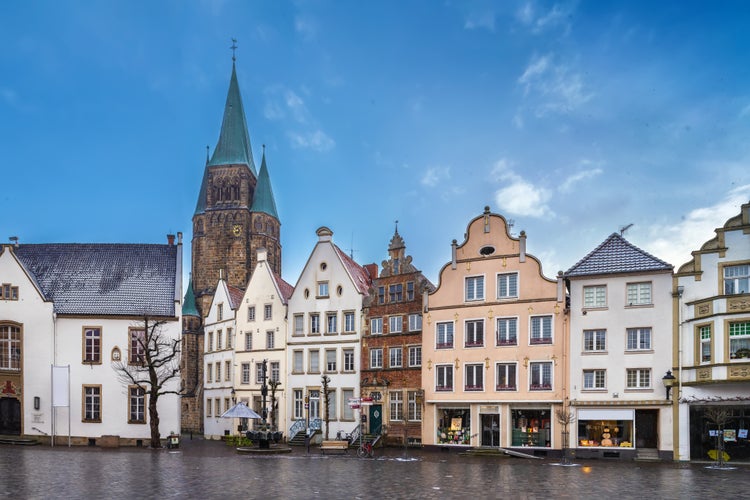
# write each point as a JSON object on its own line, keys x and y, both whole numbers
{"x": 233, "y": 47}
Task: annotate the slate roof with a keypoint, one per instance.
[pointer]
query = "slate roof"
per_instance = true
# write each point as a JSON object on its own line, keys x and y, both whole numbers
{"x": 617, "y": 255}
{"x": 263, "y": 198}
{"x": 359, "y": 274}
{"x": 285, "y": 289}
{"x": 104, "y": 279}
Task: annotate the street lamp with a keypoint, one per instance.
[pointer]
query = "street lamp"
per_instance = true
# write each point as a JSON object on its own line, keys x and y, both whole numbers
{"x": 669, "y": 381}
{"x": 234, "y": 397}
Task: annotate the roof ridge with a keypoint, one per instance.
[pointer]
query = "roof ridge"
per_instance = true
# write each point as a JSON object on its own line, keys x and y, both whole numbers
{"x": 607, "y": 259}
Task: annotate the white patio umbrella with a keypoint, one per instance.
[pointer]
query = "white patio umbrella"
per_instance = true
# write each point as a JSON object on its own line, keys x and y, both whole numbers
{"x": 240, "y": 410}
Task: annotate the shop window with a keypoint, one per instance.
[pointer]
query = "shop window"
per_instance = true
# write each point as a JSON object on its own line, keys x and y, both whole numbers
{"x": 605, "y": 433}
{"x": 531, "y": 427}
{"x": 454, "y": 426}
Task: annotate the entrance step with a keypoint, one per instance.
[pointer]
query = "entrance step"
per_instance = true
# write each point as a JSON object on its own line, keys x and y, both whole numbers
{"x": 18, "y": 440}
{"x": 647, "y": 455}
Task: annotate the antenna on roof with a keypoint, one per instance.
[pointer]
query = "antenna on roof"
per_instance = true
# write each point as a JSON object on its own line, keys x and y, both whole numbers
{"x": 625, "y": 228}
{"x": 351, "y": 248}
{"x": 207, "y": 149}
{"x": 233, "y": 47}
{"x": 396, "y": 226}
{"x": 14, "y": 240}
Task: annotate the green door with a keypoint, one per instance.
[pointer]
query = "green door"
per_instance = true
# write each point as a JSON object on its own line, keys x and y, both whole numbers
{"x": 376, "y": 419}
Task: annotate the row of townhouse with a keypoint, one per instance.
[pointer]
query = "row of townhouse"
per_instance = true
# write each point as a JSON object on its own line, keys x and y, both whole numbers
{"x": 497, "y": 353}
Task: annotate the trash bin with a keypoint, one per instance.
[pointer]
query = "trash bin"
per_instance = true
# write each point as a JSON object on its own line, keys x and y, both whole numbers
{"x": 173, "y": 441}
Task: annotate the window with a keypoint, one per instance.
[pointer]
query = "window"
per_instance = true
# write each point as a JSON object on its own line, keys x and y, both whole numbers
{"x": 594, "y": 379}
{"x": 444, "y": 335}
{"x": 209, "y": 372}
{"x": 10, "y": 348}
{"x": 137, "y": 405}
{"x": 251, "y": 313}
{"x": 348, "y": 360}
{"x": 541, "y": 376}
{"x": 474, "y": 378}
{"x": 208, "y": 408}
{"x": 444, "y": 378}
{"x": 315, "y": 324}
{"x": 415, "y": 407}
{"x": 229, "y": 338}
{"x": 410, "y": 290}
{"x": 9, "y": 292}
{"x": 474, "y": 333}
{"x": 270, "y": 339}
{"x": 376, "y": 326}
{"x": 332, "y": 404}
{"x": 541, "y": 330}
{"x": 395, "y": 357}
{"x": 397, "y": 405}
{"x": 218, "y": 340}
{"x": 92, "y": 403}
{"x": 415, "y": 356}
{"x": 137, "y": 346}
{"x": 639, "y": 339}
{"x": 396, "y": 293}
{"x": 297, "y": 362}
{"x": 638, "y": 378}
{"x": 332, "y": 323}
{"x": 507, "y": 331}
{"x": 245, "y": 373}
{"x": 210, "y": 342}
{"x": 395, "y": 324}
{"x": 376, "y": 358}
{"x": 299, "y": 324}
{"x": 381, "y": 295}
{"x": 92, "y": 345}
{"x": 275, "y": 371}
{"x": 475, "y": 288}
{"x": 299, "y": 404}
{"x": 705, "y": 347}
{"x": 346, "y": 395}
{"x": 259, "y": 372}
{"x": 595, "y": 296}
{"x": 349, "y": 321}
{"x": 248, "y": 341}
{"x": 227, "y": 404}
{"x": 739, "y": 339}
{"x": 323, "y": 289}
{"x": 227, "y": 370}
{"x": 639, "y": 294}
{"x": 415, "y": 322}
{"x": 314, "y": 362}
{"x": 736, "y": 279}
{"x": 507, "y": 286}
{"x": 594, "y": 340}
{"x": 330, "y": 360}
{"x": 505, "y": 375}
{"x": 218, "y": 371}
{"x": 219, "y": 313}
{"x": 268, "y": 312}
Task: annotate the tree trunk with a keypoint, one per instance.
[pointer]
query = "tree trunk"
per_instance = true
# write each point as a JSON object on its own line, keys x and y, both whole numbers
{"x": 153, "y": 415}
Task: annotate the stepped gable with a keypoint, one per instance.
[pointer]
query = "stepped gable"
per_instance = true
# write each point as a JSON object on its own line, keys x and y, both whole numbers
{"x": 104, "y": 279}
{"x": 617, "y": 255}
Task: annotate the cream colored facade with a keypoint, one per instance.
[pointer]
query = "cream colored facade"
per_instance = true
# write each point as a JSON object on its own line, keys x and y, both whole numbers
{"x": 501, "y": 379}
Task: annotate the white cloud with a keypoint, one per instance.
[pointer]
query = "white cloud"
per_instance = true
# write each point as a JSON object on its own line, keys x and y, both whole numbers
{"x": 526, "y": 13}
{"x": 434, "y": 175}
{"x": 674, "y": 243}
{"x": 296, "y": 105}
{"x": 306, "y": 28}
{"x": 558, "y": 15}
{"x": 535, "y": 69}
{"x": 567, "y": 185}
{"x": 317, "y": 141}
{"x": 519, "y": 196}
{"x": 555, "y": 87}
{"x": 477, "y": 20}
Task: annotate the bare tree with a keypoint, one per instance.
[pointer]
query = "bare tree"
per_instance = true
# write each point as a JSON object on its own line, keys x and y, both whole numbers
{"x": 153, "y": 362}
{"x": 718, "y": 416}
{"x": 274, "y": 384}
{"x": 565, "y": 418}
{"x": 325, "y": 380}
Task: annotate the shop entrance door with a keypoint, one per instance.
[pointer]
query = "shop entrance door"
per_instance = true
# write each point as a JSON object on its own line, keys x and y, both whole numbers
{"x": 10, "y": 416}
{"x": 491, "y": 430}
{"x": 646, "y": 424}
{"x": 376, "y": 419}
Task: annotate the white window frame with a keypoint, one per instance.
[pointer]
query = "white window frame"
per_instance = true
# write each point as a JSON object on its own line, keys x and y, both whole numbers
{"x": 395, "y": 324}
{"x": 267, "y": 312}
{"x": 298, "y": 361}
{"x": 396, "y": 400}
{"x": 638, "y": 378}
{"x": 442, "y": 374}
{"x": 245, "y": 376}
{"x": 595, "y": 340}
{"x": 348, "y": 362}
{"x": 415, "y": 356}
{"x": 541, "y": 372}
{"x": 314, "y": 358}
{"x": 395, "y": 357}
{"x": 474, "y": 288}
{"x": 299, "y": 324}
{"x": 376, "y": 357}
{"x": 506, "y": 331}
{"x": 331, "y": 361}
{"x": 541, "y": 338}
{"x": 639, "y": 339}
{"x": 736, "y": 279}
{"x": 444, "y": 331}
{"x": 376, "y": 326}
{"x": 415, "y": 322}
{"x": 594, "y": 296}
{"x": 508, "y": 368}
{"x": 507, "y": 285}
{"x": 349, "y": 322}
{"x": 332, "y": 322}
{"x": 474, "y": 333}
{"x": 323, "y": 289}
{"x": 250, "y": 313}
{"x": 595, "y": 380}
{"x": 639, "y": 294}
{"x": 474, "y": 372}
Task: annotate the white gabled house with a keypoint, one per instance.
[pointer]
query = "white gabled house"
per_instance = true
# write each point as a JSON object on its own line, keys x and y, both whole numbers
{"x": 261, "y": 328}
{"x": 68, "y": 314}
{"x": 218, "y": 359}
{"x": 325, "y": 329}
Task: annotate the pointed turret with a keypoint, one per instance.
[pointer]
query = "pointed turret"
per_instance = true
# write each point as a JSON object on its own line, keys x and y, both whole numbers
{"x": 233, "y": 146}
{"x": 263, "y": 201}
{"x": 188, "y": 304}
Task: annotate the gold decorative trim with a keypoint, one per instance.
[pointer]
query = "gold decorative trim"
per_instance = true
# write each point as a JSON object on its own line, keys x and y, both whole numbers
{"x": 703, "y": 374}
{"x": 738, "y": 304}
{"x": 739, "y": 372}
{"x": 703, "y": 309}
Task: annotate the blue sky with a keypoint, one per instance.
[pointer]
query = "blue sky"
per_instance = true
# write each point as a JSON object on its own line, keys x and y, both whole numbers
{"x": 573, "y": 119}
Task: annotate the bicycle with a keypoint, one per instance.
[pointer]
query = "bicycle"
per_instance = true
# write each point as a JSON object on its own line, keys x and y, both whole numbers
{"x": 344, "y": 436}
{"x": 365, "y": 450}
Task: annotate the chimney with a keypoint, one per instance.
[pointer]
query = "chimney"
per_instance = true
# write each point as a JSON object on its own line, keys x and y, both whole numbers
{"x": 453, "y": 254}
{"x": 324, "y": 234}
{"x": 170, "y": 239}
{"x": 179, "y": 237}
{"x": 262, "y": 254}
{"x": 560, "y": 286}
{"x": 372, "y": 270}
{"x": 522, "y": 247}
{"x": 14, "y": 240}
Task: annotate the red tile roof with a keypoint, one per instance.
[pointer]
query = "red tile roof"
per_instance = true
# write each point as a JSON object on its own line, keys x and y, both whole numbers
{"x": 361, "y": 278}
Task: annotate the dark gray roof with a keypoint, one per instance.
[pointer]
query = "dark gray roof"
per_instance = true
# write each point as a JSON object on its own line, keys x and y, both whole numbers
{"x": 104, "y": 279}
{"x": 617, "y": 255}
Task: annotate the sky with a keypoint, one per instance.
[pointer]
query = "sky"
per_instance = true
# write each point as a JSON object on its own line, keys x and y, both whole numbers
{"x": 573, "y": 119}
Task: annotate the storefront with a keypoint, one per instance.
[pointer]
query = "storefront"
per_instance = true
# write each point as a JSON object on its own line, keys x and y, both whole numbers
{"x": 606, "y": 433}
{"x": 531, "y": 427}
{"x": 453, "y": 426}
{"x": 730, "y": 432}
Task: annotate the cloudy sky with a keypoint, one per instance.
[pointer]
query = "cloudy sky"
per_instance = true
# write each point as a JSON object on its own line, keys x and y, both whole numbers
{"x": 572, "y": 119}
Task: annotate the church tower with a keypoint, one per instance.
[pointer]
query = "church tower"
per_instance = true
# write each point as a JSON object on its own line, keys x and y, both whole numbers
{"x": 235, "y": 216}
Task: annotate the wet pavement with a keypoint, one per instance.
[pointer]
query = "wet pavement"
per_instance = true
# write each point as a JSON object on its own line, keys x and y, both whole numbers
{"x": 210, "y": 469}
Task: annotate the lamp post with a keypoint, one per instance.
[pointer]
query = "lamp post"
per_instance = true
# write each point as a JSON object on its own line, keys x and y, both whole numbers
{"x": 669, "y": 381}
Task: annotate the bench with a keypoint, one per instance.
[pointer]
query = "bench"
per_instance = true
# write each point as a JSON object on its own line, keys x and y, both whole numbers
{"x": 334, "y": 445}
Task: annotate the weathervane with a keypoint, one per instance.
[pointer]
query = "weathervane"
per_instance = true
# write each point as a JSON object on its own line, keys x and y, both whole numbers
{"x": 396, "y": 226}
{"x": 233, "y": 47}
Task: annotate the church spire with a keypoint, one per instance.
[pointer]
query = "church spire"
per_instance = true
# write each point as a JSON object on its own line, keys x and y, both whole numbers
{"x": 233, "y": 146}
{"x": 263, "y": 201}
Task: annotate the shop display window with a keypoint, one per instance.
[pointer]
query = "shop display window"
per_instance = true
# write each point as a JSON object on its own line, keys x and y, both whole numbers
{"x": 454, "y": 426}
{"x": 606, "y": 433}
{"x": 531, "y": 428}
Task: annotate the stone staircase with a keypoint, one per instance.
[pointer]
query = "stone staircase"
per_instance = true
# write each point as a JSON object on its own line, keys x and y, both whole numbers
{"x": 18, "y": 440}
{"x": 647, "y": 455}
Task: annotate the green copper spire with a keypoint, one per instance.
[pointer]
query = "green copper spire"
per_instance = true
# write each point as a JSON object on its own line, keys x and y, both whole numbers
{"x": 263, "y": 201}
{"x": 234, "y": 141}
{"x": 188, "y": 304}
